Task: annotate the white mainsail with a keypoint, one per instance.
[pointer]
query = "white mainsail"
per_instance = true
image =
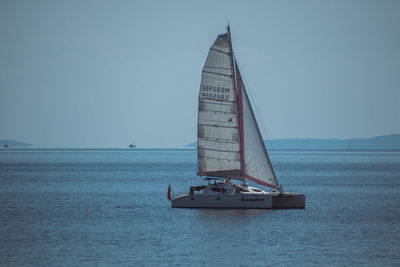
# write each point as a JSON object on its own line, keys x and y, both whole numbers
{"x": 218, "y": 133}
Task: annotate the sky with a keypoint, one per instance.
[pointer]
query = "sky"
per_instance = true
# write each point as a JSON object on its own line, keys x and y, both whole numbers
{"x": 110, "y": 73}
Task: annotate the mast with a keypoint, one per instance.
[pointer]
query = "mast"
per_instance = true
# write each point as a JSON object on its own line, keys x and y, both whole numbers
{"x": 228, "y": 29}
{"x": 239, "y": 104}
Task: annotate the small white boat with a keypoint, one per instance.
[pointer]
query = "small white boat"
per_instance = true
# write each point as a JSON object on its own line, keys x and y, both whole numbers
{"x": 229, "y": 143}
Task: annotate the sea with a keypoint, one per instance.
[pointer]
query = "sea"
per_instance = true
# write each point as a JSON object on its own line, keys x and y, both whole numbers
{"x": 109, "y": 207}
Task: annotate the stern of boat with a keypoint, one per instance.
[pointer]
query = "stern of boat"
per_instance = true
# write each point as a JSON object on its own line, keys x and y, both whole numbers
{"x": 288, "y": 201}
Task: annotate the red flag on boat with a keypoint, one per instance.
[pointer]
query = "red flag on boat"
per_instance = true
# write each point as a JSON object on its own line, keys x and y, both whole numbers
{"x": 169, "y": 192}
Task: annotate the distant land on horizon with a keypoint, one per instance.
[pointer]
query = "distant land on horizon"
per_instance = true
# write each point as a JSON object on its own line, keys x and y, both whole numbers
{"x": 13, "y": 143}
{"x": 386, "y": 142}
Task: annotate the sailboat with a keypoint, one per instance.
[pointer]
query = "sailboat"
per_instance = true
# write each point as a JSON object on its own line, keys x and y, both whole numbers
{"x": 229, "y": 144}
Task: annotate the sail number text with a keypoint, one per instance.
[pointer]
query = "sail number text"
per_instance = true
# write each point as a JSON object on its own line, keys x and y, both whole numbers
{"x": 215, "y": 93}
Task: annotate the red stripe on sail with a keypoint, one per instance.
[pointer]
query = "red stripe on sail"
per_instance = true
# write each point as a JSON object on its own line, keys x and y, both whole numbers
{"x": 251, "y": 178}
{"x": 240, "y": 111}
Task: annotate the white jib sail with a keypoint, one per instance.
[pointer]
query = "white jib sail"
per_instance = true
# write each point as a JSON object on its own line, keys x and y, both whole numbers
{"x": 218, "y": 133}
{"x": 257, "y": 164}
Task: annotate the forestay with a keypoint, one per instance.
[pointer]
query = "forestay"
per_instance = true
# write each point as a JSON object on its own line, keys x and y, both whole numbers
{"x": 218, "y": 132}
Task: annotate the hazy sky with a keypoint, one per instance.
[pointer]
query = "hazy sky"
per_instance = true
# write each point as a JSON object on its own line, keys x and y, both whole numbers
{"x": 108, "y": 73}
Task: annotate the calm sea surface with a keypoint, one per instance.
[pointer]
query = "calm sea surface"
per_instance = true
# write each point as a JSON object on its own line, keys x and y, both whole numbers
{"x": 109, "y": 207}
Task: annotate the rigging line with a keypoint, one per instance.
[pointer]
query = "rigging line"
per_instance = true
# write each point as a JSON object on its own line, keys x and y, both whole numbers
{"x": 215, "y": 140}
{"x": 215, "y": 73}
{"x": 229, "y": 121}
{"x": 215, "y": 100}
{"x": 209, "y": 122}
{"x": 217, "y": 126}
{"x": 218, "y": 79}
{"x": 222, "y": 159}
{"x": 219, "y": 150}
{"x": 220, "y": 68}
{"x": 228, "y": 114}
{"x": 220, "y": 51}
{"x": 211, "y": 102}
{"x": 265, "y": 130}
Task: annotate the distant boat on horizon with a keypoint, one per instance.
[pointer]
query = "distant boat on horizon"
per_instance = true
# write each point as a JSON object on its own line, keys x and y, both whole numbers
{"x": 132, "y": 146}
{"x": 5, "y": 145}
{"x": 229, "y": 143}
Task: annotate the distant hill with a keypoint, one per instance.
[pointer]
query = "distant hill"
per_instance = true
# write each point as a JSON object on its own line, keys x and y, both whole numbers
{"x": 13, "y": 143}
{"x": 386, "y": 142}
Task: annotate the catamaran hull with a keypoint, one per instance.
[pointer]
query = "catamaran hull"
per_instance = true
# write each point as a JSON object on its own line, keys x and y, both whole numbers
{"x": 223, "y": 201}
{"x": 288, "y": 201}
{"x": 248, "y": 201}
